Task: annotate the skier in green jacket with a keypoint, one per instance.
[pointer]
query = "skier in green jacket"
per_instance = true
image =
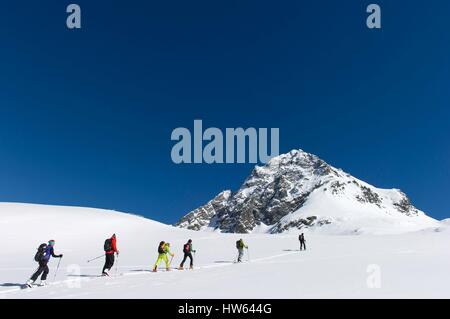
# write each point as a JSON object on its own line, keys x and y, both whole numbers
{"x": 163, "y": 250}
{"x": 240, "y": 245}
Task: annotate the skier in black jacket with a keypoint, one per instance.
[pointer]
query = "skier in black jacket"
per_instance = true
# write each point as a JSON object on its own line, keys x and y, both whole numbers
{"x": 302, "y": 240}
{"x": 188, "y": 250}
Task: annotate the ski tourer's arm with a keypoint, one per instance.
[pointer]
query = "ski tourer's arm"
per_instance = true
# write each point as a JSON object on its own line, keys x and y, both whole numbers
{"x": 114, "y": 246}
{"x": 55, "y": 256}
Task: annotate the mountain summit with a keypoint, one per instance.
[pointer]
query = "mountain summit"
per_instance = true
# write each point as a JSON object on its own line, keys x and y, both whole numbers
{"x": 299, "y": 191}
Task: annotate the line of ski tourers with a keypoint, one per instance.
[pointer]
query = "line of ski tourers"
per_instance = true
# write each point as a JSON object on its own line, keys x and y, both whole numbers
{"x": 46, "y": 251}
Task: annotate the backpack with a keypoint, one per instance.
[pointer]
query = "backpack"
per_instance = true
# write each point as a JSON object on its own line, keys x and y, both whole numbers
{"x": 187, "y": 248}
{"x": 238, "y": 244}
{"x": 161, "y": 248}
{"x": 40, "y": 252}
{"x": 108, "y": 245}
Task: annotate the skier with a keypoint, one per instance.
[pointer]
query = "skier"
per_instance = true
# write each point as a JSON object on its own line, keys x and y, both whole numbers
{"x": 240, "y": 245}
{"x": 43, "y": 255}
{"x": 187, "y": 250}
{"x": 302, "y": 240}
{"x": 110, "y": 248}
{"x": 163, "y": 250}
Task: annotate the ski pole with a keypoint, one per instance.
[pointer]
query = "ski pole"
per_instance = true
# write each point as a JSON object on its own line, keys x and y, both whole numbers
{"x": 95, "y": 258}
{"x": 117, "y": 264}
{"x": 57, "y": 268}
{"x": 194, "y": 258}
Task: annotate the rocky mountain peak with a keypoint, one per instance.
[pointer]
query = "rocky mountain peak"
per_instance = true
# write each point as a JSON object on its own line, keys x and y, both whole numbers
{"x": 279, "y": 197}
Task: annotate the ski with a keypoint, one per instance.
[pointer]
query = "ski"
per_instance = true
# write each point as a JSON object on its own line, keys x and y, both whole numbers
{"x": 32, "y": 286}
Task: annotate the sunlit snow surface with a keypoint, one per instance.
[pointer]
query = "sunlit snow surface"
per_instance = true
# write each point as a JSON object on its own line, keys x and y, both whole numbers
{"x": 403, "y": 265}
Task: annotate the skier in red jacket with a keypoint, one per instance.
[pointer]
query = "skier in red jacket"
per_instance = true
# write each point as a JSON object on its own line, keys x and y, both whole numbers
{"x": 110, "y": 248}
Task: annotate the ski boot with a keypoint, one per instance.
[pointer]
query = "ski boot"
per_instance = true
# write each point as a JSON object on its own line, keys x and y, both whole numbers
{"x": 30, "y": 283}
{"x": 191, "y": 268}
{"x": 43, "y": 283}
{"x": 155, "y": 269}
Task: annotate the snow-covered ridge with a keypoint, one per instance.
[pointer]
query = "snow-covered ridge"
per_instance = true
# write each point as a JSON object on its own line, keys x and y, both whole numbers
{"x": 298, "y": 191}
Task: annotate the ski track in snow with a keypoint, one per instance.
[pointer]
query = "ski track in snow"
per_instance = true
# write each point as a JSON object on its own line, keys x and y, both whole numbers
{"x": 139, "y": 273}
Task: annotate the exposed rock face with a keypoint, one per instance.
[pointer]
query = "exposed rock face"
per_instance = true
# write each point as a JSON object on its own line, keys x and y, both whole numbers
{"x": 310, "y": 221}
{"x": 202, "y": 216}
{"x": 284, "y": 186}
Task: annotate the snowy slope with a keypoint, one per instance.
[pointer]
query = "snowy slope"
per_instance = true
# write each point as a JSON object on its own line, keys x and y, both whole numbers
{"x": 298, "y": 191}
{"x": 341, "y": 214}
{"x": 410, "y": 265}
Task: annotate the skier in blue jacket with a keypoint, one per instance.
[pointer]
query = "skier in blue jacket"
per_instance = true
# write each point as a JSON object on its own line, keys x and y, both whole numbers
{"x": 43, "y": 260}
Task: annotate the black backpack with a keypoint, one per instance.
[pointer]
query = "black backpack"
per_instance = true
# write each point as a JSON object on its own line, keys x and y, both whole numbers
{"x": 108, "y": 245}
{"x": 160, "y": 248}
{"x": 238, "y": 244}
{"x": 40, "y": 252}
{"x": 187, "y": 248}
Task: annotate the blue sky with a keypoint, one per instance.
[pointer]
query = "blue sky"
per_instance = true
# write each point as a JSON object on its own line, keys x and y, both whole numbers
{"x": 86, "y": 115}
